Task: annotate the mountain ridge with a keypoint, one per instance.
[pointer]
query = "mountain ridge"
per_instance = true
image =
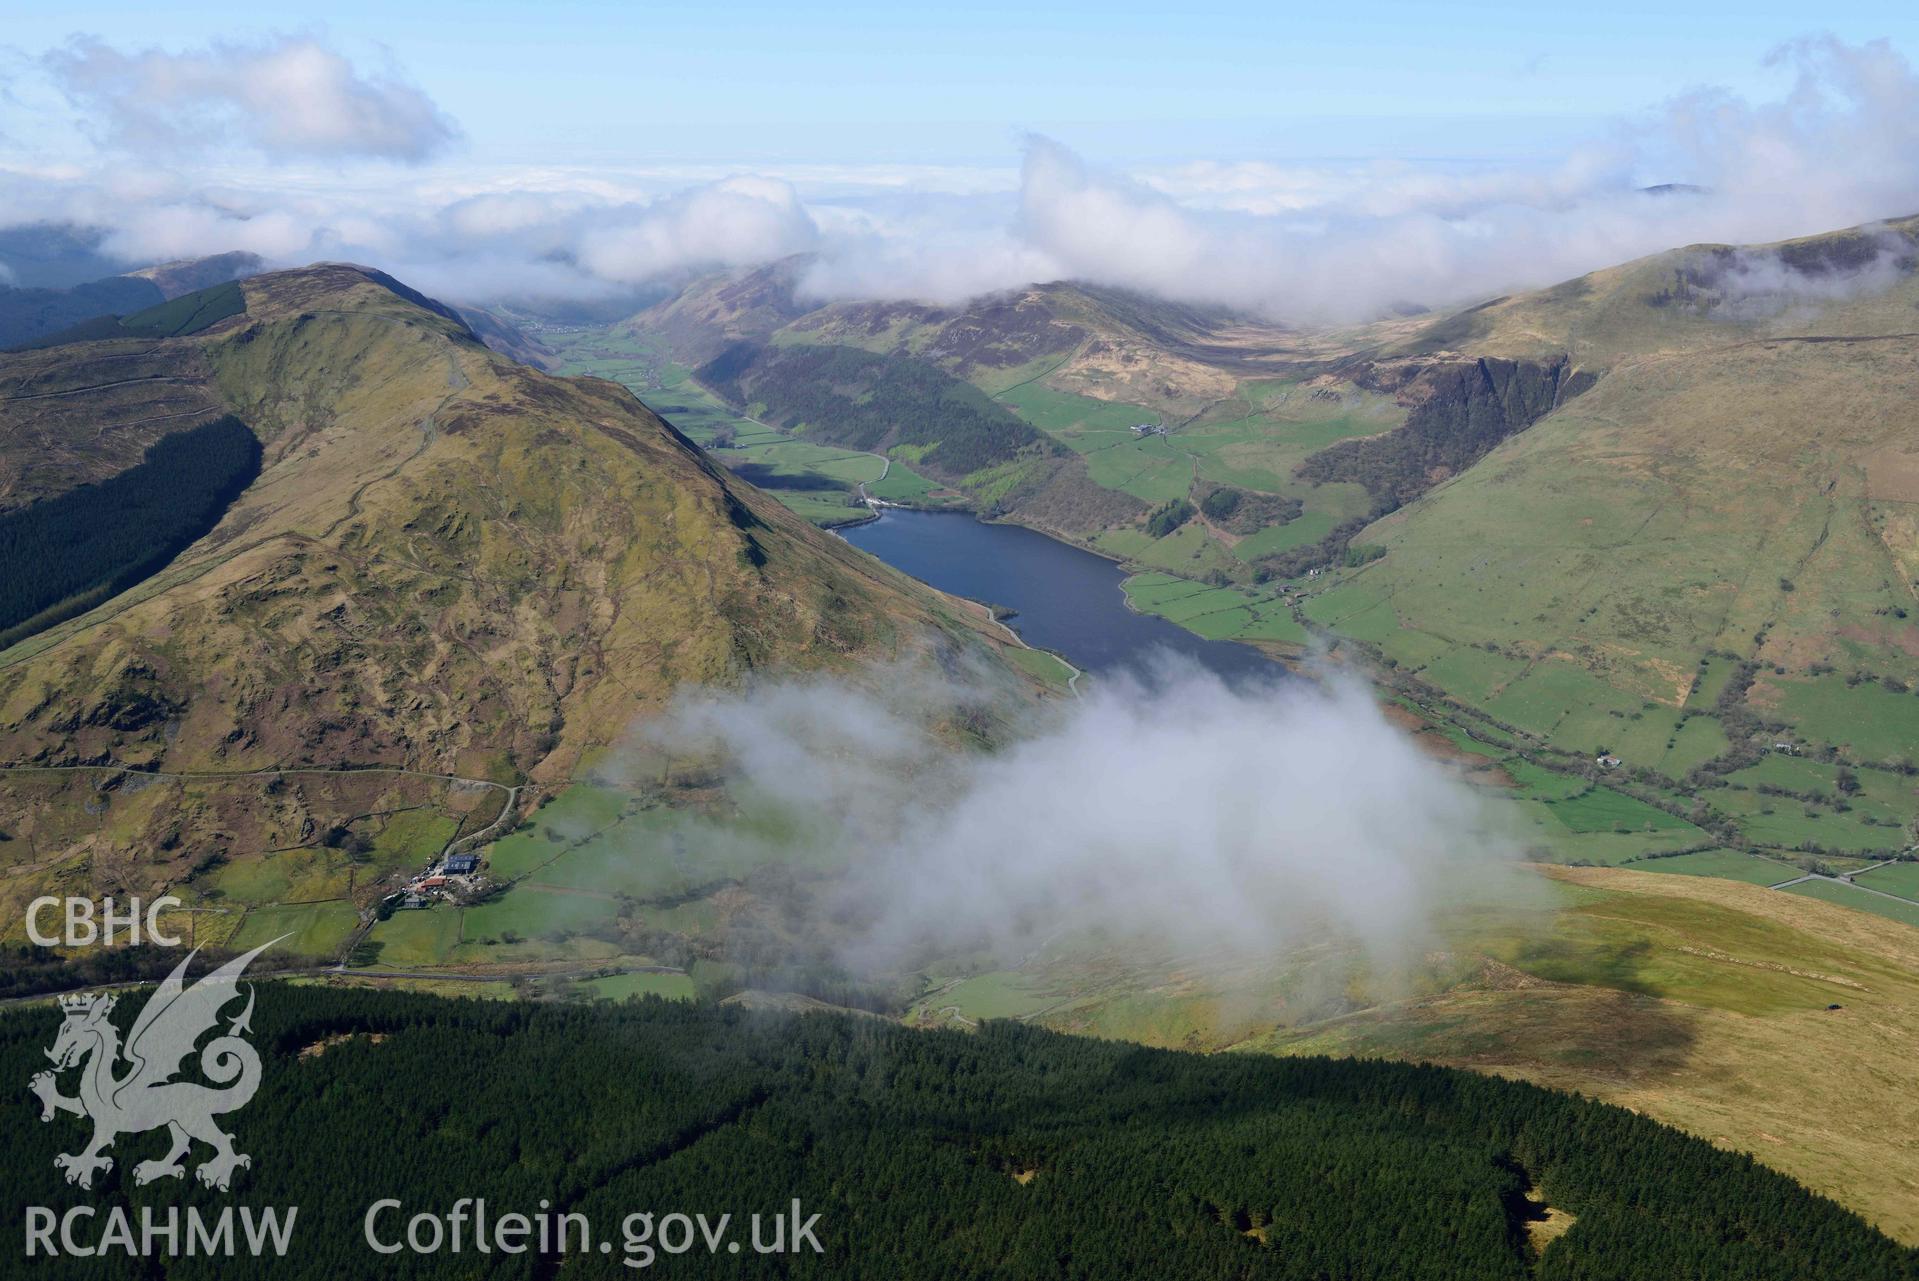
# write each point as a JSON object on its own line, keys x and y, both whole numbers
{"x": 449, "y": 563}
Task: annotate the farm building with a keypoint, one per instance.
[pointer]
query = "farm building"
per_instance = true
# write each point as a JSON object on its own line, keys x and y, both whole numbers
{"x": 462, "y": 864}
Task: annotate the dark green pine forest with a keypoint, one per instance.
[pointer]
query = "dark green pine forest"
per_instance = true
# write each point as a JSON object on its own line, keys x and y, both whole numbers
{"x": 65, "y": 554}
{"x": 1010, "y": 1152}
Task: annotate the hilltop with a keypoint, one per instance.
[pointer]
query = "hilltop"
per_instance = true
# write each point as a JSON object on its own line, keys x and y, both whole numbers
{"x": 449, "y": 564}
{"x": 1098, "y": 341}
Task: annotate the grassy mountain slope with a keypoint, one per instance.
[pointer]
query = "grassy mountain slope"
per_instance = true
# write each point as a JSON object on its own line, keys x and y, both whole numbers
{"x": 714, "y": 312}
{"x": 1843, "y": 283}
{"x": 507, "y": 338}
{"x": 1738, "y": 483}
{"x": 450, "y": 563}
{"x": 80, "y": 413}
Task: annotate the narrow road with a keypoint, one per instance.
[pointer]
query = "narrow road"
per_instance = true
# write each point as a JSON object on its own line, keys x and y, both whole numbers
{"x": 1072, "y": 682}
{"x": 886, "y": 467}
{"x": 886, "y": 464}
{"x": 1842, "y": 880}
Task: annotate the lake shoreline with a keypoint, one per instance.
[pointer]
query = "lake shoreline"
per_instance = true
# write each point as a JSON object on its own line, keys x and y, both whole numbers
{"x": 1067, "y": 600}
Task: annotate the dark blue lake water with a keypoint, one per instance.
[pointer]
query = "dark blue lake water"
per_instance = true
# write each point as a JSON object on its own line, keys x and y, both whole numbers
{"x": 1067, "y": 600}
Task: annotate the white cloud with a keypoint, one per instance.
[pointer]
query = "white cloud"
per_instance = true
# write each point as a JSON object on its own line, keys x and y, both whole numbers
{"x": 290, "y": 97}
{"x": 1839, "y": 145}
{"x": 166, "y": 232}
{"x": 727, "y": 223}
{"x": 1180, "y": 811}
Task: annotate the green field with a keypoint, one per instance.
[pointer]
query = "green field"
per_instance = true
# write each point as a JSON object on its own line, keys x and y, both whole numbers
{"x": 1307, "y": 528}
{"x": 813, "y": 480}
{"x": 1189, "y": 551}
{"x": 417, "y": 938}
{"x": 1257, "y": 442}
{"x": 412, "y": 839}
{"x": 289, "y": 876}
{"x": 1604, "y": 810}
{"x": 1698, "y": 740}
{"x": 318, "y": 929}
{"x": 998, "y": 995}
{"x": 1217, "y": 613}
{"x": 1787, "y": 823}
{"x": 546, "y": 921}
{"x": 1150, "y": 469}
{"x": 1038, "y": 662}
{"x": 1859, "y": 900}
{"x": 571, "y": 817}
{"x": 621, "y": 987}
{"x": 1899, "y": 878}
{"x": 1471, "y": 672}
{"x": 1728, "y": 865}
{"x": 1867, "y": 721}
{"x": 1073, "y": 418}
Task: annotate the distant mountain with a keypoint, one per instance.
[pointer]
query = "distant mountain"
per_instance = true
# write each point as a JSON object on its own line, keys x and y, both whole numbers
{"x": 1108, "y": 343}
{"x": 29, "y": 315}
{"x": 33, "y": 313}
{"x": 189, "y": 274}
{"x": 714, "y": 312}
{"x": 934, "y": 379}
{"x": 53, "y": 255}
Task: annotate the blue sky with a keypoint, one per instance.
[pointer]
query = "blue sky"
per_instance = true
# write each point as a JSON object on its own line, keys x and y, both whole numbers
{"x": 579, "y": 80}
{"x": 1307, "y": 162}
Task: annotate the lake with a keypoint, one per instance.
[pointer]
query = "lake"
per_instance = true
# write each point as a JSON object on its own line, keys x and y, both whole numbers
{"x": 1068, "y": 600}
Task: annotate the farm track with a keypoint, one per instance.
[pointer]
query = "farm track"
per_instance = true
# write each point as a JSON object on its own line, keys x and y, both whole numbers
{"x": 1840, "y": 880}
{"x": 81, "y": 391}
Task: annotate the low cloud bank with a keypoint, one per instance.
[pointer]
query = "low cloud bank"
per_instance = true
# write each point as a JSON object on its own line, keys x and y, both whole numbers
{"x": 1760, "y": 284}
{"x": 1837, "y": 147}
{"x": 1180, "y": 813}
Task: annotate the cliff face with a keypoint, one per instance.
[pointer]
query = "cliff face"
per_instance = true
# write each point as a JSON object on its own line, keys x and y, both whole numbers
{"x": 1458, "y": 411}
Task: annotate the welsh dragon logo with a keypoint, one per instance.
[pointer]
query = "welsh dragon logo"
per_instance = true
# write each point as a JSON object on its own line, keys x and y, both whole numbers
{"x": 144, "y": 1096}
